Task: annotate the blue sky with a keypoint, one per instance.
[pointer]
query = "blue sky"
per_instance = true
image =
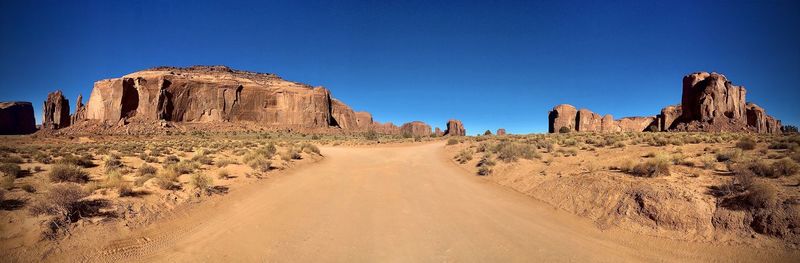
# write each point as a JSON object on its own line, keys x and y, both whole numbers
{"x": 491, "y": 64}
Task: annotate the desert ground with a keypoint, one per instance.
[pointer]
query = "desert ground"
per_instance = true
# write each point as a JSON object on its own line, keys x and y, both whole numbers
{"x": 258, "y": 196}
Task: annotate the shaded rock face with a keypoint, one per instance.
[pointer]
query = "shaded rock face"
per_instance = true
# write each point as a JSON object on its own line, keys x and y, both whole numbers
{"x": 758, "y": 119}
{"x": 343, "y": 116}
{"x": 588, "y": 121}
{"x": 80, "y": 110}
{"x": 55, "y": 111}
{"x": 709, "y": 103}
{"x": 455, "y": 128}
{"x": 501, "y": 131}
{"x": 207, "y": 94}
{"x": 708, "y": 96}
{"x": 438, "y": 132}
{"x": 16, "y": 118}
{"x": 416, "y": 128}
{"x": 562, "y": 116}
{"x": 669, "y": 117}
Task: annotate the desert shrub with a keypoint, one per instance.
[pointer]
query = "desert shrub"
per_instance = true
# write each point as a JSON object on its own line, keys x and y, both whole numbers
{"x": 28, "y": 188}
{"x": 203, "y": 159}
{"x": 564, "y": 130}
{"x": 68, "y": 173}
{"x": 371, "y": 135}
{"x": 142, "y": 179}
{"x": 60, "y": 199}
{"x": 484, "y": 170}
{"x": 309, "y": 148}
{"x": 728, "y": 155}
{"x": 746, "y": 143}
{"x": 464, "y": 156}
{"x": 63, "y": 203}
{"x": 260, "y": 164}
{"x": 486, "y": 160}
{"x": 510, "y": 152}
{"x": 762, "y": 194}
{"x": 291, "y": 154}
{"x": 82, "y": 161}
{"x": 146, "y": 169}
{"x": 167, "y": 179}
{"x": 225, "y": 162}
{"x": 113, "y": 162}
{"x": 171, "y": 159}
{"x": 452, "y": 141}
{"x": 785, "y": 167}
{"x": 658, "y": 166}
{"x": 7, "y": 182}
{"x": 10, "y": 159}
{"x": 10, "y": 169}
{"x": 708, "y": 162}
{"x": 183, "y": 167}
{"x": 201, "y": 182}
{"x": 42, "y": 158}
{"x": 223, "y": 174}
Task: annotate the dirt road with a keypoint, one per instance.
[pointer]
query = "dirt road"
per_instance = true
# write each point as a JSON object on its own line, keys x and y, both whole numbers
{"x": 394, "y": 204}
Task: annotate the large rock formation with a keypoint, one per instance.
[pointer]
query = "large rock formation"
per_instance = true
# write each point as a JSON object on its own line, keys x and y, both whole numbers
{"x": 588, "y": 121}
{"x": 415, "y": 128}
{"x": 455, "y": 128}
{"x": 364, "y": 119}
{"x": 669, "y": 117}
{"x": 55, "y": 111}
{"x": 562, "y": 116}
{"x": 385, "y": 128}
{"x": 80, "y": 110}
{"x": 708, "y": 96}
{"x": 501, "y": 131}
{"x": 343, "y": 116}
{"x": 709, "y": 102}
{"x": 208, "y": 94}
{"x": 16, "y": 117}
{"x": 438, "y": 132}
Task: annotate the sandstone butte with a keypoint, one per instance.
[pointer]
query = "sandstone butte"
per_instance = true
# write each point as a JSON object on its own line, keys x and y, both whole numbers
{"x": 709, "y": 103}
{"x": 207, "y": 94}
{"x": 16, "y": 117}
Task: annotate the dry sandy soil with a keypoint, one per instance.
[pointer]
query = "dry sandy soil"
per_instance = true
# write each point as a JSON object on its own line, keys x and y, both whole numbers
{"x": 405, "y": 203}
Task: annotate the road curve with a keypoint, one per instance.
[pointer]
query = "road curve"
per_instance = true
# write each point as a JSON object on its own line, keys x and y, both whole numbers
{"x": 395, "y": 204}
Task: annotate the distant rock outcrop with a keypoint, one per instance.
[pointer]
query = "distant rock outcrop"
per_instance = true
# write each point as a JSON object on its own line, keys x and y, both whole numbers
{"x": 438, "y": 132}
{"x": 343, "y": 116}
{"x": 80, "y": 111}
{"x": 562, "y": 116}
{"x": 416, "y": 128}
{"x": 455, "y": 128}
{"x": 16, "y": 117}
{"x": 501, "y": 131}
{"x": 211, "y": 94}
{"x": 55, "y": 111}
{"x": 709, "y": 102}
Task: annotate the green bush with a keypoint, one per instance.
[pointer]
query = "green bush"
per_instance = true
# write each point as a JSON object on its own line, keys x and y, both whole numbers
{"x": 564, "y": 130}
{"x": 68, "y": 173}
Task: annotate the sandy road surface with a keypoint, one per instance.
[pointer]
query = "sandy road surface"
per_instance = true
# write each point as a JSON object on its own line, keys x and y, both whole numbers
{"x": 394, "y": 204}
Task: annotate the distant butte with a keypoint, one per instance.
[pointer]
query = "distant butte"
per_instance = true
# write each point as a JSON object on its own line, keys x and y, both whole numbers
{"x": 709, "y": 103}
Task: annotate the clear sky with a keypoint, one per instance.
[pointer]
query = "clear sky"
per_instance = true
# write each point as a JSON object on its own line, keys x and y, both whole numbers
{"x": 491, "y": 64}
